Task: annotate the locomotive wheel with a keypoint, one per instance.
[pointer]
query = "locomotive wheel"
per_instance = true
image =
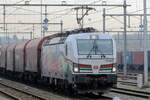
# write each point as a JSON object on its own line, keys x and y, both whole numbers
{"x": 53, "y": 85}
{"x": 70, "y": 90}
{"x": 66, "y": 87}
{"x": 74, "y": 90}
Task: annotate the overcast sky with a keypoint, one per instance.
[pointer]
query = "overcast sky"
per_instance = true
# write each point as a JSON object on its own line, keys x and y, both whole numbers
{"x": 67, "y": 15}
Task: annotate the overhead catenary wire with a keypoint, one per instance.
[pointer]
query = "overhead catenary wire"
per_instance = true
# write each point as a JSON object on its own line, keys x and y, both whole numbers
{"x": 33, "y": 11}
{"x": 118, "y": 19}
{"x": 68, "y": 12}
{"x": 139, "y": 18}
{"x": 94, "y": 2}
{"x": 52, "y": 12}
{"x": 18, "y": 8}
{"x": 137, "y": 10}
{"x": 97, "y": 21}
{"x": 15, "y": 3}
{"x": 64, "y": 9}
{"x": 61, "y": 15}
{"x": 64, "y": 13}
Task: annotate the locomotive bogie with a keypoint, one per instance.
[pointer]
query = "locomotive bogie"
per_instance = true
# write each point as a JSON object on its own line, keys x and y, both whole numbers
{"x": 94, "y": 83}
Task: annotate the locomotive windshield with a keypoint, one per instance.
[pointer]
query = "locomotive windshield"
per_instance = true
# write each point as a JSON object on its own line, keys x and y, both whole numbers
{"x": 95, "y": 46}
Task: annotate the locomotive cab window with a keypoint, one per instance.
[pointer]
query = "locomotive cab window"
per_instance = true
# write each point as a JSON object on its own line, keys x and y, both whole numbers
{"x": 95, "y": 46}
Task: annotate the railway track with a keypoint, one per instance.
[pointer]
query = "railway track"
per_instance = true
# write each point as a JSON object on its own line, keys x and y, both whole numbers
{"x": 91, "y": 96}
{"x": 17, "y": 94}
{"x": 7, "y": 95}
{"x": 136, "y": 93}
{"x": 130, "y": 74}
{"x": 128, "y": 83}
{"x": 19, "y": 91}
{"x": 22, "y": 91}
{"x": 4, "y": 83}
{"x": 23, "y": 95}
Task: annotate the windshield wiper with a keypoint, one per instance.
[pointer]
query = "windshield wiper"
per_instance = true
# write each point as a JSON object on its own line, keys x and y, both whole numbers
{"x": 99, "y": 50}
{"x": 93, "y": 47}
{"x": 102, "y": 55}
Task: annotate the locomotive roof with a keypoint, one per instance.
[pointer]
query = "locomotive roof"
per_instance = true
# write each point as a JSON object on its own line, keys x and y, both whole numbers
{"x": 75, "y": 31}
{"x": 86, "y": 35}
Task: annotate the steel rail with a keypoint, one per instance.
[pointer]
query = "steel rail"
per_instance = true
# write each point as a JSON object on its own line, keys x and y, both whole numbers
{"x": 9, "y": 95}
{"x": 21, "y": 91}
{"x": 141, "y": 94}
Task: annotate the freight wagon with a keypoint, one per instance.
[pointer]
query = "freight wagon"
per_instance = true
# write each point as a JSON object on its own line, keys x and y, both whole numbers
{"x": 135, "y": 61}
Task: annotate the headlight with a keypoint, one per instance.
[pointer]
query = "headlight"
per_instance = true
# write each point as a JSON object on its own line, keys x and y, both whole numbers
{"x": 75, "y": 67}
{"x": 114, "y": 69}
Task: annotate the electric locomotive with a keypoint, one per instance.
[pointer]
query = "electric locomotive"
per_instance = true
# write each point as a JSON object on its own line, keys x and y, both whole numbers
{"x": 84, "y": 61}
